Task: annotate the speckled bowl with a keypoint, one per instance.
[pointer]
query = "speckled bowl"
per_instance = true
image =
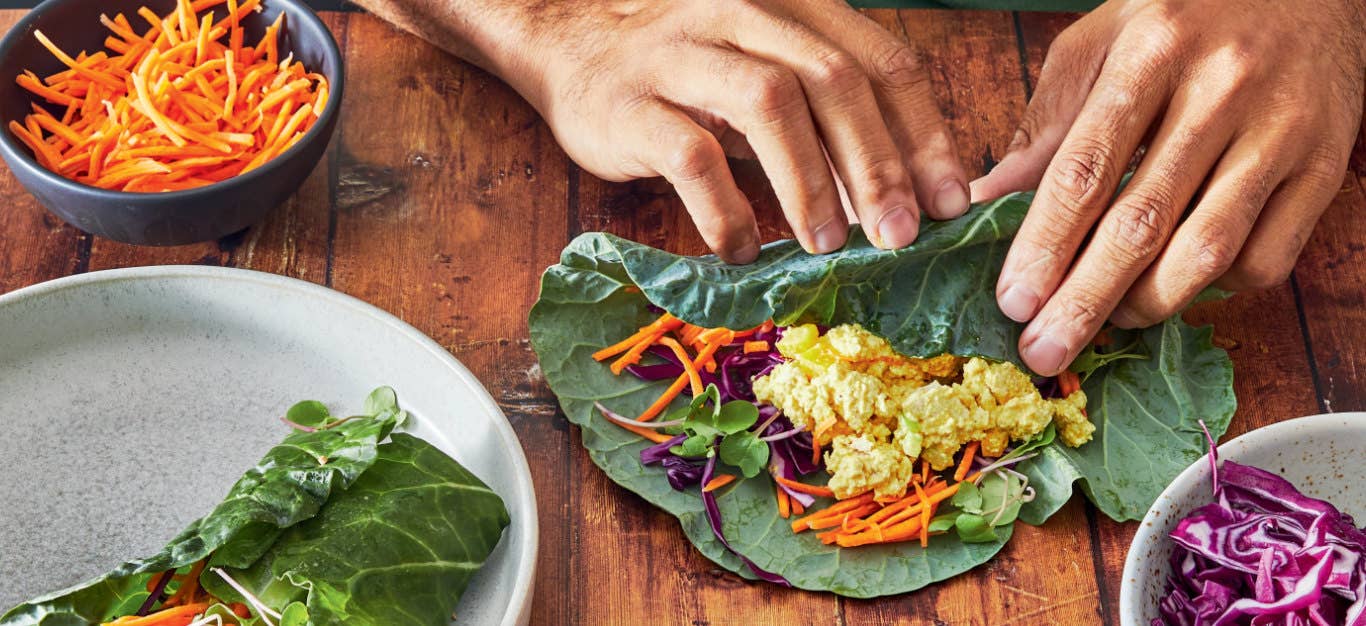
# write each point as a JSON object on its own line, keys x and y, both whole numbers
{"x": 1315, "y": 453}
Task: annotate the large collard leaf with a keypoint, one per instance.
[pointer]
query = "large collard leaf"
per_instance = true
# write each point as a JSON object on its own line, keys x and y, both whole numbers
{"x": 416, "y": 521}
{"x": 933, "y": 297}
{"x": 288, "y": 485}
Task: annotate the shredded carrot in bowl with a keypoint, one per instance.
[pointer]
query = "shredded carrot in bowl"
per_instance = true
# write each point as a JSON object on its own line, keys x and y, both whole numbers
{"x": 184, "y": 104}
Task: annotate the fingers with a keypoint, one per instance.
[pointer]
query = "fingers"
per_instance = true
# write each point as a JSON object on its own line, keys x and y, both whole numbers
{"x": 1079, "y": 184}
{"x": 846, "y": 111}
{"x": 1207, "y": 243}
{"x": 765, "y": 102}
{"x": 1130, "y": 235}
{"x": 675, "y": 147}
{"x": 1070, "y": 69}
{"x": 1283, "y": 229}
{"x": 904, "y": 94}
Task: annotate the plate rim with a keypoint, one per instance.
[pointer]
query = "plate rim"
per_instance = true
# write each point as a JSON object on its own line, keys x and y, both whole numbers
{"x": 1130, "y": 604}
{"x": 527, "y": 548}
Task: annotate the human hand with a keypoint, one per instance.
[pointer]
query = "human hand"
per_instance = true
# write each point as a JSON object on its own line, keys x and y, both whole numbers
{"x": 636, "y": 90}
{"x": 1248, "y": 111}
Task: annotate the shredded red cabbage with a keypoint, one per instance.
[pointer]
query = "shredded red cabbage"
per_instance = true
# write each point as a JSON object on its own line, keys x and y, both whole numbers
{"x": 790, "y": 455}
{"x": 1263, "y": 553}
{"x": 1048, "y": 386}
{"x": 157, "y": 594}
{"x": 714, "y": 519}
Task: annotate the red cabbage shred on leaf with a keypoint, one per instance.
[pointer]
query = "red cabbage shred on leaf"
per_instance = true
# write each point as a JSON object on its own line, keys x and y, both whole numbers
{"x": 734, "y": 378}
{"x": 1263, "y": 553}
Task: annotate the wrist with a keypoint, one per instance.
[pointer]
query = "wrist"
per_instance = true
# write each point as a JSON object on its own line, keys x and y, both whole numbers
{"x": 496, "y": 35}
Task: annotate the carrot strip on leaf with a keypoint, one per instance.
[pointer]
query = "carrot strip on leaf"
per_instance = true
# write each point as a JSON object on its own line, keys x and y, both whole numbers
{"x": 717, "y": 482}
{"x": 966, "y": 464}
{"x": 805, "y": 488}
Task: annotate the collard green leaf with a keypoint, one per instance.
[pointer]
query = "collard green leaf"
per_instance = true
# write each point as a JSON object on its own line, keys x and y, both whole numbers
{"x": 290, "y": 484}
{"x": 416, "y": 521}
{"x": 932, "y": 297}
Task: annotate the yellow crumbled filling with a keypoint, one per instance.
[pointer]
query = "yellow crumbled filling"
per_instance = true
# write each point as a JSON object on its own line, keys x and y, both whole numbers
{"x": 878, "y": 411}
{"x": 858, "y": 463}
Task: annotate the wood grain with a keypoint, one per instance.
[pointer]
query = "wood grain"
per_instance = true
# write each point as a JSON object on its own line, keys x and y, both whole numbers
{"x": 443, "y": 196}
{"x": 449, "y": 199}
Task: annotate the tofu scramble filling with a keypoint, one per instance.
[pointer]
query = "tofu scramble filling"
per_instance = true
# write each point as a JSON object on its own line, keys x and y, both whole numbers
{"x": 877, "y": 411}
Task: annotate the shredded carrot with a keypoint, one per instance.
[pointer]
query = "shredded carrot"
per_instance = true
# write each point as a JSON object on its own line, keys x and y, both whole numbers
{"x": 717, "y": 482}
{"x": 798, "y": 487}
{"x": 665, "y": 321}
{"x": 966, "y": 464}
{"x": 925, "y": 509}
{"x": 1068, "y": 382}
{"x": 815, "y": 452}
{"x": 784, "y": 503}
{"x": 694, "y": 378}
{"x": 924, "y": 471}
{"x": 841, "y": 507}
{"x": 797, "y": 508}
{"x": 676, "y": 388}
{"x": 189, "y": 587}
{"x": 722, "y": 336}
{"x": 831, "y": 521}
{"x": 633, "y": 355}
{"x": 174, "y": 616}
{"x": 756, "y": 346}
{"x": 175, "y": 87}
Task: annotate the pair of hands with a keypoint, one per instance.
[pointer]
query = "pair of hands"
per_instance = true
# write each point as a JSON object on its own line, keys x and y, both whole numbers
{"x": 1247, "y": 110}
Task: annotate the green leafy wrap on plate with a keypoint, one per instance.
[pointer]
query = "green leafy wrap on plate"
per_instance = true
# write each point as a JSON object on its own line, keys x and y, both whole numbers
{"x": 934, "y": 297}
{"x": 335, "y": 525}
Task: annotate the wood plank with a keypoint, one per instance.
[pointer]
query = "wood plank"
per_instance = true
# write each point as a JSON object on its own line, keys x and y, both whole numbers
{"x": 1329, "y": 277}
{"x": 974, "y": 63}
{"x": 36, "y": 245}
{"x": 1261, "y": 331}
{"x": 451, "y": 200}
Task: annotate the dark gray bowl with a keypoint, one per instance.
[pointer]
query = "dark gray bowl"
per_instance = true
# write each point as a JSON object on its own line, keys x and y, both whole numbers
{"x": 173, "y": 217}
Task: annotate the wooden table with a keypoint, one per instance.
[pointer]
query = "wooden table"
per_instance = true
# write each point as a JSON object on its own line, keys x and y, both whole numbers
{"x": 443, "y": 197}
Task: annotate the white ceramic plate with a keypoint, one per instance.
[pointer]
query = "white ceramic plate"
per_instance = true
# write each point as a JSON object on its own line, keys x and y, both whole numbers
{"x": 130, "y": 400}
{"x": 1319, "y": 454}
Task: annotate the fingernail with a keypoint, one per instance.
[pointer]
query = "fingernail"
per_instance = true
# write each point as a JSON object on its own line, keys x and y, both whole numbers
{"x": 951, "y": 200}
{"x": 747, "y": 253}
{"x": 1045, "y": 355}
{"x": 828, "y": 236}
{"x": 1019, "y": 303}
{"x": 897, "y": 228}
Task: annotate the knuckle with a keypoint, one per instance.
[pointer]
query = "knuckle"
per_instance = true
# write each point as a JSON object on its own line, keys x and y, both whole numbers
{"x": 1081, "y": 314}
{"x": 1325, "y": 165}
{"x": 880, "y": 180}
{"x": 1215, "y": 254}
{"x": 771, "y": 91}
{"x": 1068, "y": 43}
{"x": 1081, "y": 171}
{"x": 837, "y": 71}
{"x": 1138, "y": 225}
{"x": 1254, "y": 273}
{"x": 898, "y": 68}
{"x": 693, "y": 157}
